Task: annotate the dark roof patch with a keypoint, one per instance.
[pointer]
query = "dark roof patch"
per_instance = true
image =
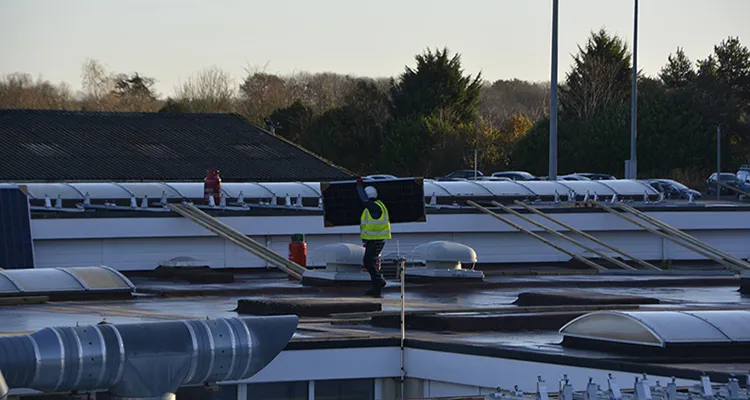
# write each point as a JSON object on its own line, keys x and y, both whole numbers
{"x": 53, "y": 145}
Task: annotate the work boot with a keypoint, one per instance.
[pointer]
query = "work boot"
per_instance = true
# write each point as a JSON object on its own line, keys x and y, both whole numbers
{"x": 374, "y": 291}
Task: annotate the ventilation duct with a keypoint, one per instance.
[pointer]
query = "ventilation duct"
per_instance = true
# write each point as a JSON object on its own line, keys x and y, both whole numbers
{"x": 143, "y": 360}
{"x": 3, "y": 387}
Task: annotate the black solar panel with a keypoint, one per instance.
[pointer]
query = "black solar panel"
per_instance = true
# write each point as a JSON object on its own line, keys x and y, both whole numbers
{"x": 16, "y": 249}
{"x": 404, "y": 199}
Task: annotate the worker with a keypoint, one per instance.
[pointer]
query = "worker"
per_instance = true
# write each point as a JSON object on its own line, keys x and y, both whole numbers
{"x": 375, "y": 229}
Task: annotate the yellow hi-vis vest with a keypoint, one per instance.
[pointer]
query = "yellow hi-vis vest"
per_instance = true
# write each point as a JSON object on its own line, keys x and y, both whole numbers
{"x": 375, "y": 229}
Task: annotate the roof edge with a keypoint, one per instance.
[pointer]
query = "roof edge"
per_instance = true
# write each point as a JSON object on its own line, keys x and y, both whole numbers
{"x": 318, "y": 156}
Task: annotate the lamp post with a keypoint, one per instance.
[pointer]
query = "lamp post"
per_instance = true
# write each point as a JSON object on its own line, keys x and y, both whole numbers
{"x": 553, "y": 98}
{"x": 631, "y": 170}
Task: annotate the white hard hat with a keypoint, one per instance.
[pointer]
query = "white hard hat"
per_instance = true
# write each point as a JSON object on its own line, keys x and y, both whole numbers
{"x": 371, "y": 192}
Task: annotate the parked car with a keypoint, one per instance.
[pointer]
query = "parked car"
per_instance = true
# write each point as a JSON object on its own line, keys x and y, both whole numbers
{"x": 673, "y": 189}
{"x": 743, "y": 178}
{"x": 490, "y": 178}
{"x": 595, "y": 176}
{"x": 461, "y": 175}
{"x": 515, "y": 175}
{"x": 573, "y": 177}
{"x": 380, "y": 177}
{"x": 727, "y": 178}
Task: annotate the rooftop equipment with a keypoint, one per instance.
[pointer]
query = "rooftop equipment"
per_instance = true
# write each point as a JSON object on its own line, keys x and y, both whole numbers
{"x": 715, "y": 333}
{"x": 70, "y": 282}
{"x": 3, "y": 387}
{"x": 91, "y": 195}
{"x": 343, "y": 266}
{"x": 143, "y": 360}
{"x": 443, "y": 261}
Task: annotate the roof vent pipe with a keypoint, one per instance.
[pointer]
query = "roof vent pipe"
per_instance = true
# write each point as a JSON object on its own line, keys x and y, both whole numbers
{"x": 143, "y": 360}
{"x": 3, "y": 387}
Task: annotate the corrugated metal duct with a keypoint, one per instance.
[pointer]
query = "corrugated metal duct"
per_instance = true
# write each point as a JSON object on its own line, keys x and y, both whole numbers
{"x": 3, "y": 387}
{"x": 143, "y": 360}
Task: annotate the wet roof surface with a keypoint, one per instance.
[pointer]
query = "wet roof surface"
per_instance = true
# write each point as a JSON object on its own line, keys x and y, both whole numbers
{"x": 22, "y": 319}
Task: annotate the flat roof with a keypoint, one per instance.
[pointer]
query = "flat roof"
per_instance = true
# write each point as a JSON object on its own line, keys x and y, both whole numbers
{"x": 352, "y": 331}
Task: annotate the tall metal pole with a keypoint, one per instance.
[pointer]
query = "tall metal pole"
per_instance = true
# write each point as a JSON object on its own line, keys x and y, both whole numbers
{"x": 633, "y": 170}
{"x": 718, "y": 162}
{"x": 553, "y": 98}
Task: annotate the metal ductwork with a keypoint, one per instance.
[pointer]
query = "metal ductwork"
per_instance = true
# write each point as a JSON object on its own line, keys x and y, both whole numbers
{"x": 3, "y": 387}
{"x": 143, "y": 360}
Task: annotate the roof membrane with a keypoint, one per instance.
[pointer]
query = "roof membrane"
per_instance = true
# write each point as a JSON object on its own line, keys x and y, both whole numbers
{"x": 51, "y": 280}
{"x": 662, "y": 328}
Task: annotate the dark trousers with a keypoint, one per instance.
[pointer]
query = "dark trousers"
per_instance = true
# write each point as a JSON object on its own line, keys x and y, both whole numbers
{"x": 373, "y": 248}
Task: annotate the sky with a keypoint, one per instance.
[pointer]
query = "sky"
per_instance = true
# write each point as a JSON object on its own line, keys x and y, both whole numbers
{"x": 170, "y": 40}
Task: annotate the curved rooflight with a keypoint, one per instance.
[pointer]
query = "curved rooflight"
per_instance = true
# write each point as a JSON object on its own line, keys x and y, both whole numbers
{"x": 248, "y": 189}
{"x": 627, "y": 185}
{"x": 582, "y": 187}
{"x": 547, "y": 188}
{"x": 433, "y": 188}
{"x": 505, "y": 188}
{"x": 101, "y": 191}
{"x": 194, "y": 190}
{"x": 662, "y": 328}
{"x": 292, "y": 189}
{"x": 190, "y": 190}
{"x": 53, "y": 280}
{"x": 65, "y": 191}
{"x": 150, "y": 189}
{"x": 462, "y": 189}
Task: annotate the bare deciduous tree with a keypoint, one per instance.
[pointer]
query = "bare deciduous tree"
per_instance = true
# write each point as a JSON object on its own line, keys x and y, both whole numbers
{"x": 96, "y": 81}
{"x": 19, "y": 90}
{"x": 209, "y": 90}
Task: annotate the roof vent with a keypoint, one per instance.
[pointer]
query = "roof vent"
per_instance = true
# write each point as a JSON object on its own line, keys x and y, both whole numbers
{"x": 343, "y": 257}
{"x": 183, "y": 262}
{"x": 445, "y": 255}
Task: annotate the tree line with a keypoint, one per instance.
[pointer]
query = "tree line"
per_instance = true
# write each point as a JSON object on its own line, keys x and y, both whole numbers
{"x": 431, "y": 119}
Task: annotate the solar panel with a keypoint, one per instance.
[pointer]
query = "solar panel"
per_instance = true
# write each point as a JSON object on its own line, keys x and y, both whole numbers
{"x": 16, "y": 247}
{"x": 404, "y": 199}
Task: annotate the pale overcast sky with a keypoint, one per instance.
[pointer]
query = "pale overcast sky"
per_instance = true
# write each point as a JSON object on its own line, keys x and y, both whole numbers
{"x": 171, "y": 39}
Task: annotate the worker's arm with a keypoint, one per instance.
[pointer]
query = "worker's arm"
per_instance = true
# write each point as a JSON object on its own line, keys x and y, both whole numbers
{"x": 374, "y": 209}
{"x": 361, "y": 191}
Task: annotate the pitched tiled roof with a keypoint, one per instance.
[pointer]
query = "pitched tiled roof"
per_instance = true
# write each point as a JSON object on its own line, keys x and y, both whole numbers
{"x": 52, "y": 145}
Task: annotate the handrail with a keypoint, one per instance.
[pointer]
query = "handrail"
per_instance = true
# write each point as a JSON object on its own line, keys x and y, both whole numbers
{"x": 587, "y": 236}
{"x": 214, "y": 225}
{"x": 272, "y": 256}
{"x": 688, "y": 238}
{"x": 665, "y": 236}
{"x": 562, "y": 236}
{"x": 534, "y": 235}
{"x": 714, "y": 181}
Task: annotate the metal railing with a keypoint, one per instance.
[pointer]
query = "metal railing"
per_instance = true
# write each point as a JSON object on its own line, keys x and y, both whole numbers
{"x": 196, "y": 215}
